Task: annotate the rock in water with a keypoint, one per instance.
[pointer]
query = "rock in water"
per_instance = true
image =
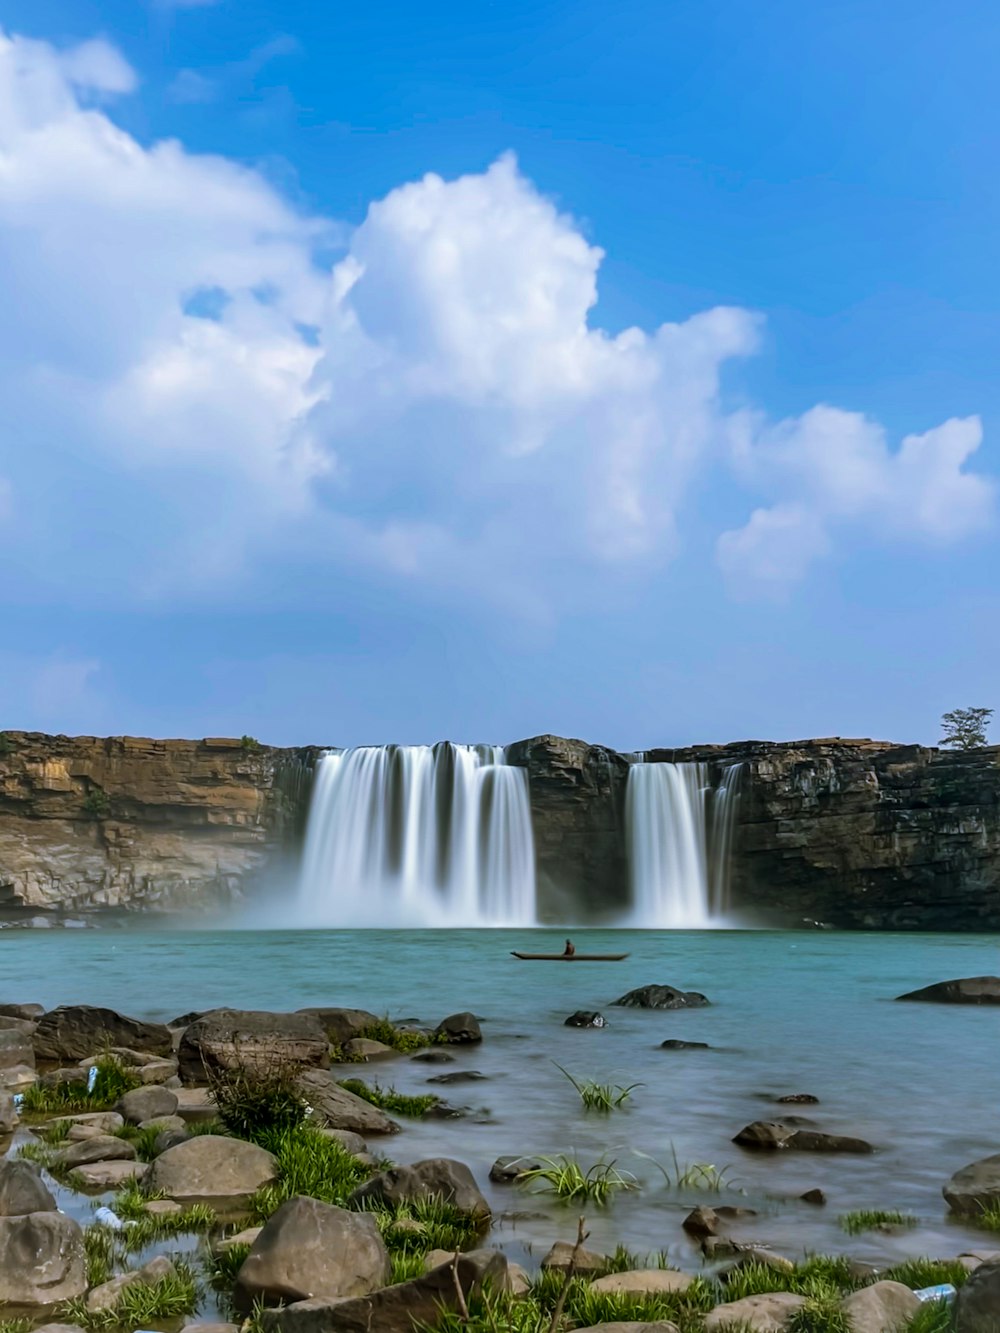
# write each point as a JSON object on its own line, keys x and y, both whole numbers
{"x": 459, "y": 1030}
{"x": 41, "y": 1260}
{"x": 342, "y": 1025}
{"x": 977, "y": 1306}
{"x": 212, "y": 1169}
{"x": 662, "y": 997}
{"x": 673, "y": 1044}
{"x": 102, "y": 1148}
{"x": 436, "y": 1177}
{"x": 22, "y": 1190}
{"x": 964, "y": 990}
{"x": 150, "y": 1103}
{"x": 507, "y": 1169}
{"x": 336, "y": 1108}
{"x": 770, "y": 1135}
{"x": 584, "y": 1018}
{"x": 76, "y": 1031}
{"x": 975, "y": 1187}
{"x": 561, "y": 1256}
{"x": 310, "y": 1250}
{"x": 238, "y": 1038}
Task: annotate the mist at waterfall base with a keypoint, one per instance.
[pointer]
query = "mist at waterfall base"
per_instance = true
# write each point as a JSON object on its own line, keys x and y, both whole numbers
{"x": 441, "y": 836}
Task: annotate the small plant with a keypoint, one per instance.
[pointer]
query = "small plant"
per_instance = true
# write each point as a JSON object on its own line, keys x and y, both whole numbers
{"x": 425, "y": 1224}
{"x": 100, "y": 1250}
{"x": 139, "y": 1305}
{"x": 931, "y": 1317}
{"x": 15, "y": 1325}
{"x": 587, "y": 1307}
{"x": 820, "y": 1314}
{"x": 250, "y": 743}
{"x": 600, "y": 1096}
{"x": 989, "y": 1218}
{"x": 406, "y": 1265}
{"x": 112, "y": 1081}
{"x": 567, "y": 1180}
{"x": 96, "y": 803}
{"x": 7, "y": 747}
{"x": 404, "y": 1040}
{"x": 308, "y": 1163}
{"x": 258, "y": 1095}
{"x": 227, "y": 1263}
{"x": 693, "y": 1175}
{"x": 388, "y": 1099}
{"x": 866, "y": 1219}
{"x": 917, "y": 1273}
{"x": 965, "y": 728}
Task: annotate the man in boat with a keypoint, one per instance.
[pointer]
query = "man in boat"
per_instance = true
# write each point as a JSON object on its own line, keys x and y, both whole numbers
{"x": 570, "y": 949}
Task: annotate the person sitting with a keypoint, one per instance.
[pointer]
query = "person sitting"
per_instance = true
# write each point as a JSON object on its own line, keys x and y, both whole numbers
{"x": 570, "y": 949}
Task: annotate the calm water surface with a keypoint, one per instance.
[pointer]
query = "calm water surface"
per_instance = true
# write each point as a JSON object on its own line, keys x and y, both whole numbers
{"x": 790, "y": 1013}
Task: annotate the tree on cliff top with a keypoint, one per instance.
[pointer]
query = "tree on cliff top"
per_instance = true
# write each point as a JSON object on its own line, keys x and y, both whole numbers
{"x": 965, "y": 728}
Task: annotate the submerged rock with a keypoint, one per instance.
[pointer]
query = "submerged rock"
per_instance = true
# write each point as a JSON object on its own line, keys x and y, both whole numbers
{"x": 662, "y": 997}
{"x": 964, "y": 990}
{"x": 769, "y": 1135}
{"x": 673, "y": 1044}
{"x": 584, "y": 1018}
{"x": 507, "y": 1169}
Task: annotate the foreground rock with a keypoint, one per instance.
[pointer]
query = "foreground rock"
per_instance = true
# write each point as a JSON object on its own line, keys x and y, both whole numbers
{"x": 75, "y": 1031}
{"x": 882, "y": 1306}
{"x": 769, "y": 1313}
{"x": 964, "y": 990}
{"x": 662, "y": 997}
{"x": 770, "y": 1135}
{"x": 149, "y": 1103}
{"x": 16, "y": 1049}
{"x": 250, "y": 1038}
{"x": 974, "y": 1187}
{"x": 309, "y": 1250}
{"x": 336, "y": 1108}
{"x": 397, "y": 1309}
{"x": 22, "y": 1190}
{"x": 643, "y": 1282}
{"x": 561, "y": 1256}
{"x": 212, "y": 1169}
{"x": 435, "y": 1177}
{"x": 41, "y": 1260}
{"x": 458, "y": 1030}
{"x": 977, "y": 1306}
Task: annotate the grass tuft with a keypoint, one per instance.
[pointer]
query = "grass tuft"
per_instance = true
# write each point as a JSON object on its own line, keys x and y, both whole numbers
{"x": 866, "y": 1219}
{"x": 600, "y": 1096}
{"x": 388, "y": 1099}
{"x": 566, "y": 1179}
{"x": 308, "y": 1163}
{"x": 820, "y": 1314}
{"x": 988, "y": 1218}
{"x": 426, "y": 1224}
{"x": 932, "y": 1317}
{"x": 918, "y": 1273}
{"x": 113, "y": 1080}
{"x": 258, "y": 1096}
{"x": 139, "y": 1305}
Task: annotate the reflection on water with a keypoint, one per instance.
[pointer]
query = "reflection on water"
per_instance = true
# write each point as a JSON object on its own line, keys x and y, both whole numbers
{"x": 790, "y": 1013}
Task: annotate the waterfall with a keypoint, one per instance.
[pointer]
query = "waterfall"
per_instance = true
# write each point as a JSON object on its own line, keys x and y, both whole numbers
{"x": 679, "y": 837}
{"x": 418, "y": 835}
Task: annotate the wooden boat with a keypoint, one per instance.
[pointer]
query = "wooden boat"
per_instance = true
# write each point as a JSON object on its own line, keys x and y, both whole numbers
{"x": 569, "y": 957}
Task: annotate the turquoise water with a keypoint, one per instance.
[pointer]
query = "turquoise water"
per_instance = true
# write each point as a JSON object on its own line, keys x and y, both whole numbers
{"x": 791, "y": 1012}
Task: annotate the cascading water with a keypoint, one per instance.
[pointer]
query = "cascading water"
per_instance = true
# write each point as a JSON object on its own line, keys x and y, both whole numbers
{"x": 419, "y": 835}
{"x": 680, "y": 836}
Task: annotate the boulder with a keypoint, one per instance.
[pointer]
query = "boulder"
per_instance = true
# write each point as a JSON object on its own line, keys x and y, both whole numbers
{"x": 561, "y": 1256}
{"x": 212, "y": 1169}
{"x": 248, "y": 1038}
{"x": 363, "y": 1048}
{"x": 880, "y": 1308}
{"x": 16, "y": 1049}
{"x": 673, "y": 1044}
{"x": 585, "y": 1018}
{"x": 32, "y": 1012}
{"x": 341, "y": 1025}
{"x": 662, "y": 997}
{"x": 157, "y": 1071}
{"x": 9, "y": 1118}
{"x": 169, "y": 1138}
{"x": 42, "y": 1260}
{"x": 974, "y": 1187}
{"x": 350, "y": 1142}
{"x": 396, "y": 1309}
{"x": 75, "y": 1031}
{"x": 505, "y": 1170}
{"x": 769, "y": 1135}
{"x": 108, "y": 1175}
{"x": 23, "y": 1025}
{"x": 22, "y": 1190}
{"x": 701, "y": 1222}
{"x": 964, "y": 990}
{"x": 167, "y": 1124}
{"x": 977, "y": 1306}
{"x": 769, "y": 1313}
{"x": 246, "y": 1237}
{"x": 336, "y": 1108}
{"x": 458, "y": 1030}
{"x": 195, "y": 1103}
{"x": 106, "y": 1122}
{"x": 309, "y": 1250}
{"x": 815, "y": 1196}
{"x": 642, "y": 1282}
{"x": 148, "y": 1103}
{"x": 103, "y": 1148}
{"x": 435, "y": 1177}
{"x": 106, "y": 1296}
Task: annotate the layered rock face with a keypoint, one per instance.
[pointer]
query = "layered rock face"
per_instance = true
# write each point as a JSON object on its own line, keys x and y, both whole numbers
{"x": 853, "y": 833}
{"x": 125, "y": 823}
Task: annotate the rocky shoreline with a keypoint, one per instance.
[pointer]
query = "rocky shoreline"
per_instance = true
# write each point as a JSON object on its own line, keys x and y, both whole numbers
{"x": 246, "y": 1163}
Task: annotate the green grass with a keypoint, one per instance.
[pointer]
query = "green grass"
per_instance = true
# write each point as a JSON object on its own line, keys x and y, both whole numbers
{"x": 101, "y": 1253}
{"x": 143, "y": 1140}
{"x": 15, "y": 1325}
{"x": 139, "y": 1305}
{"x": 693, "y": 1175}
{"x": 932, "y": 1317}
{"x": 388, "y": 1099}
{"x": 227, "y": 1263}
{"x": 406, "y": 1265}
{"x": 820, "y": 1314}
{"x": 404, "y": 1040}
{"x": 113, "y": 1080}
{"x": 866, "y": 1219}
{"x": 440, "y": 1226}
{"x": 988, "y": 1218}
{"x": 308, "y": 1163}
{"x": 600, "y": 1096}
{"x": 566, "y": 1179}
{"x": 918, "y": 1273}
{"x": 626, "y": 1261}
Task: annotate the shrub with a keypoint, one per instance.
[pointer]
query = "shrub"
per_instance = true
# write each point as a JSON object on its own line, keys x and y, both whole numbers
{"x": 250, "y": 743}
{"x": 258, "y": 1097}
{"x": 96, "y": 803}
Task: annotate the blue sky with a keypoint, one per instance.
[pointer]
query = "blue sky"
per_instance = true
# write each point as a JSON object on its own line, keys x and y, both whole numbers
{"x": 474, "y": 371}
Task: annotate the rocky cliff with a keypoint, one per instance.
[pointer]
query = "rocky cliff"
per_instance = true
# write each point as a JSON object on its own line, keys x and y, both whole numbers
{"x": 853, "y": 833}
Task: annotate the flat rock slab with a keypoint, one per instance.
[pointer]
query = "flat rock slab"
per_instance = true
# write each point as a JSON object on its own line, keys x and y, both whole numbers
{"x": 102, "y": 1148}
{"x": 643, "y": 1282}
{"x": 336, "y": 1108}
{"x": 109, "y": 1175}
{"x": 767, "y": 1313}
{"x": 237, "y": 1038}
{"x": 212, "y": 1169}
{"x": 963, "y": 990}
